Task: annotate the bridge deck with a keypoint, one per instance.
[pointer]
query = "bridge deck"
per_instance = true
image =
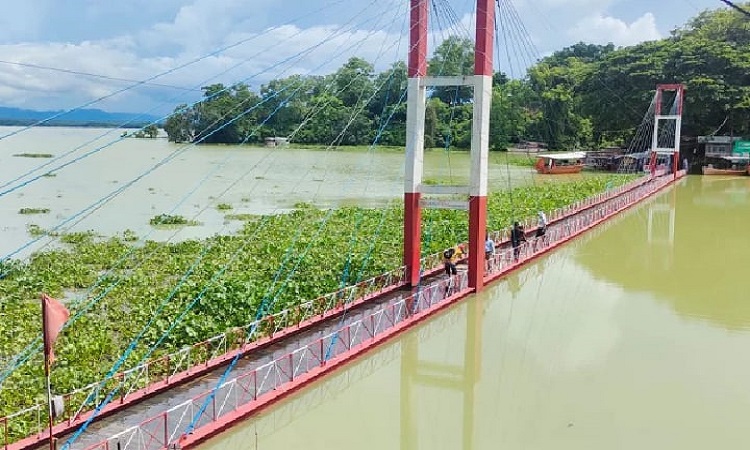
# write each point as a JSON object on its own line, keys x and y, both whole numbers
{"x": 135, "y": 414}
{"x": 564, "y": 224}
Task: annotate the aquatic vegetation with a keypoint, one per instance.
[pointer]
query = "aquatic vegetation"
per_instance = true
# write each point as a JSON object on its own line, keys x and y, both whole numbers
{"x": 34, "y": 155}
{"x": 33, "y": 211}
{"x": 129, "y": 236}
{"x": 242, "y": 217}
{"x": 315, "y": 250}
{"x": 35, "y": 230}
{"x": 167, "y": 219}
{"x": 223, "y": 206}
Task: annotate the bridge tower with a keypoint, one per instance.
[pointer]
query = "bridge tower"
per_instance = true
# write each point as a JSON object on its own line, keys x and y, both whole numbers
{"x": 669, "y": 143}
{"x": 481, "y": 81}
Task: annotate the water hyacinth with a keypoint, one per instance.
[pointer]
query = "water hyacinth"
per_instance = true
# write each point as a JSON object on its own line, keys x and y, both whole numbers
{"x": 343, "y": 245}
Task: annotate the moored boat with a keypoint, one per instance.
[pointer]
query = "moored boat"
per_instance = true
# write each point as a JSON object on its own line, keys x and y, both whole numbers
{"x": 708, "y": 170}
{"x": 560, "y": 163}
{"x": 728, "y": 165}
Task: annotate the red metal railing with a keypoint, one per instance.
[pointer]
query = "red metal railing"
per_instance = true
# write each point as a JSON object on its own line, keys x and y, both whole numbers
{"x": 169, "y": 370}
{"x": 159, "y": 372}
{"x": 165, "y": 429}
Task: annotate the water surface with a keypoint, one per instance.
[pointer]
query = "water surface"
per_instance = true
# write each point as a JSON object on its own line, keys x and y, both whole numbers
{"x": 634, "y": 336}
{"x": 252, "y": 180}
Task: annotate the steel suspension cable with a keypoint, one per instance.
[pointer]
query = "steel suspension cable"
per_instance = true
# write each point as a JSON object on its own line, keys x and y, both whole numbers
{"x": 181, "y": 316}
{"x": 121, "y": 138}
{"x": 78, "y": 315}
{"x": 170, "y": 101}
{"x": 154, "y": 77}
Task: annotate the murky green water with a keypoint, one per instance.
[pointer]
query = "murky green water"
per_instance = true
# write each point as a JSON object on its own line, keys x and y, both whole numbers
{"x": 251, "y": 180}
{"x": 633, "y": 337}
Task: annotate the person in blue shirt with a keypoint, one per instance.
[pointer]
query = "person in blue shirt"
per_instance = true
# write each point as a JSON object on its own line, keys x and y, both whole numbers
{"x": 489, "y": 250}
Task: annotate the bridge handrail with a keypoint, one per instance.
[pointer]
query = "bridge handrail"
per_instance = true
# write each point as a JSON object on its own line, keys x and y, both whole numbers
{"x": 164, "y": 429}
{"x": 286, "y": 368}
{"x": 166, "y": 367}
{"x": 162, "y": 368}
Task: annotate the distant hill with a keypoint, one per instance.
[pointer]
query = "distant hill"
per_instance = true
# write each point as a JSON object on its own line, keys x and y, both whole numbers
{"x": 79, "y": 117}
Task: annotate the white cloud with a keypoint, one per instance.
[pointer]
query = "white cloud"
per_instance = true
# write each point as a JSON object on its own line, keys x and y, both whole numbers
{"x": 272, "y": 53}
{"x": 118, "y": 40}
{"x": 602, "y": 29}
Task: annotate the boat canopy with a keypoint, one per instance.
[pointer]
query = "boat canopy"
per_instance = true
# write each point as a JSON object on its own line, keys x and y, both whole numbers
{"x": 560, "y": 156}
{"x": 639, "y": 155}
{"x": 736, "y": 159}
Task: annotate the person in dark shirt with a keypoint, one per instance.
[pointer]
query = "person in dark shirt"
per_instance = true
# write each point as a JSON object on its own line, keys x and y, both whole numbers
{"x": 448, "y": 264}
{"x": 516, "y": 237}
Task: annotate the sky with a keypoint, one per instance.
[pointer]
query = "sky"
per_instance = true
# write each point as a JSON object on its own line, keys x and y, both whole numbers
{"x": 175, "y": 46}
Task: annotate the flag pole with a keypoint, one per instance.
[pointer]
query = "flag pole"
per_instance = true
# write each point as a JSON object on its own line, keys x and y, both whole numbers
{"x": 46, "y": 373}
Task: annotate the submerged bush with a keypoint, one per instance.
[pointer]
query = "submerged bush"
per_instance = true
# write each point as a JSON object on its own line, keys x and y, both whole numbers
{"x": 204, "y": 287}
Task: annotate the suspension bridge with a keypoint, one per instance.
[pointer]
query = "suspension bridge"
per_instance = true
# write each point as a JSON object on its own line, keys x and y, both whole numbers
{"x": 181, "y": 399}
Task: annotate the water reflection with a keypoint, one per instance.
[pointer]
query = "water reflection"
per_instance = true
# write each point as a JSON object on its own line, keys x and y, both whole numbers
{"x": 439, "y": 377}
{"x": 689, "y": 247}
{"x": 585, "y": 348}
{"x": 379, "y": 402}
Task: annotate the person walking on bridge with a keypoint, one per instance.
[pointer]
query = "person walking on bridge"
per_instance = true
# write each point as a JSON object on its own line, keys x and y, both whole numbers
{"x": 489, "y": 251}
{"x": 541, "y": 229}
{"x": 450, "y": 257}
{"x": 517, "y": 236}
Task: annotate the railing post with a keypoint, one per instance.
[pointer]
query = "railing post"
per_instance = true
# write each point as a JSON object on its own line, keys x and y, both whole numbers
{"x": 166, "y": 428}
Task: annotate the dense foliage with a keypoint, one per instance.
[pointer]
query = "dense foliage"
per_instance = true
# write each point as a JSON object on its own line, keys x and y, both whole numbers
{"x": 315, "y": 248}
{"x": 584, "y": 95}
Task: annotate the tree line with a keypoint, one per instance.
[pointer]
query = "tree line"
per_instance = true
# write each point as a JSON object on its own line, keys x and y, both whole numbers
{"x": 582, "y": 96}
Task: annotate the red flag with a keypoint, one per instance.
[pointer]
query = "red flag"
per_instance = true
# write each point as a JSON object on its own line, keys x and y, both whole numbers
{"x": 54, "y": 317}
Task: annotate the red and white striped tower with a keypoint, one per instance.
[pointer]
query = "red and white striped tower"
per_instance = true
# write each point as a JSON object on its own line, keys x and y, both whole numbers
{"x": 674, "y": 149}
{"x": 485, "y": 34}
{"x": 481, "y": 81}
{"x": 415, "y": 118}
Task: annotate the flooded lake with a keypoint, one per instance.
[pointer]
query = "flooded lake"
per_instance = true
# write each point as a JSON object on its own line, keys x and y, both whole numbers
{"x": 252, "y": 180}
{"x": 633, "y": 336}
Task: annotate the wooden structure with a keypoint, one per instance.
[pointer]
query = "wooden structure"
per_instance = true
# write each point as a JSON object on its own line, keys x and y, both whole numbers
{"x": 727, "y": 165}
{"x": 560, "y": 163}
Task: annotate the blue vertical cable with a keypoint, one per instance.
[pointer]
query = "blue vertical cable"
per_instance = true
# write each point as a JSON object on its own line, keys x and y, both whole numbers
{"x": 277, "y": 108}
{"x": 261, "y": 310}
{"x": 149, "y": 79}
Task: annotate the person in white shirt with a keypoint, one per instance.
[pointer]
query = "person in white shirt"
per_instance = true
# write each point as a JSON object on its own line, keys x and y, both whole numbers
{"x": 541, "y": 229}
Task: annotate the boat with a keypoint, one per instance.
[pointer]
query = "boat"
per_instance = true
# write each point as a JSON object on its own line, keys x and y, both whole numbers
{"x": 728, "y": 165}
{"x": 635, "y": 162}
{"x": 603, "y": 160}
{"x": 709, "y": 170}
{"x": 560, "y": 163}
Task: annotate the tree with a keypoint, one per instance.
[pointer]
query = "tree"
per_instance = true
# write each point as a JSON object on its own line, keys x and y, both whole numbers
{"x": 580, "y": 96}
{"x": 454, "y": 56}
{"x": 151, "y": 131}
{"x": 353, "y": 82}
{"x": 180, "y": 125}
{"x": 512, "y": 114}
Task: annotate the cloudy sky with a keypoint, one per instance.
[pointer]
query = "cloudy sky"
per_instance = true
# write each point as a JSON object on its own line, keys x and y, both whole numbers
{"x": 178, "y": 45}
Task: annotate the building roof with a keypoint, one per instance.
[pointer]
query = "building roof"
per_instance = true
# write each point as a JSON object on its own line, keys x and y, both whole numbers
{"x": 569, "y": 155}
{"x": 736, "y": 158}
